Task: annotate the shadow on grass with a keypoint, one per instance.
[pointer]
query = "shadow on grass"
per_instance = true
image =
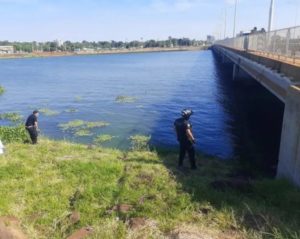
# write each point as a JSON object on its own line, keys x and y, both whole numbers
{"x": 269, "y": 208}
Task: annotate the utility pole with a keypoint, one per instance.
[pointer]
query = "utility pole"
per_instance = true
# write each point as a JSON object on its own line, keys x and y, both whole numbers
{"x": 271, "y": 16}
{"x": 225, "y": 23}
{"x": 234, "y": 20}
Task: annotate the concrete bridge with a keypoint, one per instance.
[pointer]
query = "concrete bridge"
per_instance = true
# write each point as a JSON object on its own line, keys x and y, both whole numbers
{"x": 272, "y": 59}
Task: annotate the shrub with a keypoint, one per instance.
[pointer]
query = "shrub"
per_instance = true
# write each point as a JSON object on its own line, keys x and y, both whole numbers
{"x": 140, "y": 142}
{"x": 13, "y": 134}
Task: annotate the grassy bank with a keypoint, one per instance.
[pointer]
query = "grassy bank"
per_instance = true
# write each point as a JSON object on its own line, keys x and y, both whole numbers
{"x": 138, "y": 194}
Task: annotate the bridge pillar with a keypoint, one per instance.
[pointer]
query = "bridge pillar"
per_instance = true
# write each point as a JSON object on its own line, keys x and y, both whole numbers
{"x": 289, "y": 157}
{"x": 235, "y": 71}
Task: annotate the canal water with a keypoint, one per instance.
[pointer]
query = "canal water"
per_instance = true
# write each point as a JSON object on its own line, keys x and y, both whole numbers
{"x": 230, "y": 120}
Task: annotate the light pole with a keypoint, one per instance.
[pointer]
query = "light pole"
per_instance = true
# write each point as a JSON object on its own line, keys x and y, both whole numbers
{"x": 234, "y": 20}
{"x": 271, "y": 16}
{"x": 225, "y": 23}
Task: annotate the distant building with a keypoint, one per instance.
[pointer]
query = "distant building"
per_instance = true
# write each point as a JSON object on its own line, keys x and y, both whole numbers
{"x": 59, "y": 43}
{"x": 210, "y": 39}
{"x": 6, "y": 50}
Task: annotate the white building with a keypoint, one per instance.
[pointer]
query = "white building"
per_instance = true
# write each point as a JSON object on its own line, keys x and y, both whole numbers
{"x": 6, "y": 50}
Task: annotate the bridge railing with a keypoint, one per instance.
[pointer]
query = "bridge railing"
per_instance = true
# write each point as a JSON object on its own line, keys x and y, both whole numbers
{"x": 284, "y": 42}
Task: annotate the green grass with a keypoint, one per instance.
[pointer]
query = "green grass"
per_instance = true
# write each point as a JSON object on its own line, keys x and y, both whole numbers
{"x": 42, "y": 184}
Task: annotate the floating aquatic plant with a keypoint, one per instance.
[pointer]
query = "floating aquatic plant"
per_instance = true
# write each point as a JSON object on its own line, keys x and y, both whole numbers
{"x": 82, "y": 128}
{"x": 100, "y": 139}
{"x": 12, "y": 116}
{"x": 48, "y": 112}
{"x": 72, "y": 125}
{"x": 2, "y": 90}
{"x": 71, "y": 110}
{"x": 97, "y": 124}
{"x": 140, "y": 142}
{"x": 125, "y": 99}
{"x": 78, "y": 98}
{"x": 83, "y": 133}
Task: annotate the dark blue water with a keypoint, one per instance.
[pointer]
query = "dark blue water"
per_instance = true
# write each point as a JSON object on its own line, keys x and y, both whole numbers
{"x": 163, "y": 84}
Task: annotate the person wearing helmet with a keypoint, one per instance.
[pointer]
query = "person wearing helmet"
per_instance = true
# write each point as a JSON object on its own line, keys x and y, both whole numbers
{"x": 183, "y": 129}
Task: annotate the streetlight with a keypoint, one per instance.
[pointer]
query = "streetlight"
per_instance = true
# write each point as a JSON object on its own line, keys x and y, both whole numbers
{"x": 234, "y": 21}
{"x": 271, "y": 16}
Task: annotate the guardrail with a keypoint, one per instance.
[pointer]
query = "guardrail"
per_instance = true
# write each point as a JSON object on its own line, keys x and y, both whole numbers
{"x": 280, "y": 43}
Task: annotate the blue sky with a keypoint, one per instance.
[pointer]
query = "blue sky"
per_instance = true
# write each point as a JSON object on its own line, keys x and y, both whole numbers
{"x": 77, "y": 20}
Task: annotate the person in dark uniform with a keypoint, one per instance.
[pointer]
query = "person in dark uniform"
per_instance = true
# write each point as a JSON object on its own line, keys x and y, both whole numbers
{"x": 32, "y": 126}
{"x": 185, "y": 138}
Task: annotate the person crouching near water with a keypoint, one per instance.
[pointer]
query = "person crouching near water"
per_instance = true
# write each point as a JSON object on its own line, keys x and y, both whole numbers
{"x": 185, "y": 138}
{"x": 32, "y": 126}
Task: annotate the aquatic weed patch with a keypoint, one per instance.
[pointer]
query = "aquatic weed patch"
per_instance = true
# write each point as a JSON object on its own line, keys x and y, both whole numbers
{"x": 2, "y": 90}
{"x": 83, "y": 133}
{"x": 140, "y": 142}
{"x": 48, "y": 112}
{"x": 12, "y": 116}
{"x": 82, "y": 128}
{"x": 104, "y": 138}
{"x": 71, "y": 110}
{"x": 125, "y": 99}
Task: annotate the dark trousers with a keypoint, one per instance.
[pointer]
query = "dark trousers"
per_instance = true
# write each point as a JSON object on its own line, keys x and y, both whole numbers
{"x": 33, "y": 134}
{"x": 186, "y": 146}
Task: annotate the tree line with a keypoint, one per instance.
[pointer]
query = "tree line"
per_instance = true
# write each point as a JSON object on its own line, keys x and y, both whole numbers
{"x": 52, "y": 46}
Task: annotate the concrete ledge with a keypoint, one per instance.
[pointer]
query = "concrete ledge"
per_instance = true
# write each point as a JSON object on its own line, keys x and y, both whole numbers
{"x": 275, "y": 82}
{"x": 288, "y": 69}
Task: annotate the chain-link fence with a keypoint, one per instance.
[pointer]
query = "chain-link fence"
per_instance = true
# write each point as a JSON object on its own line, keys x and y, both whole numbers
{"x": 281, "y": 43}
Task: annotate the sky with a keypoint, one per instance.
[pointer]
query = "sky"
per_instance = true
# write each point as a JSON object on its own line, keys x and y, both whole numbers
{"x": 125, "y": 20}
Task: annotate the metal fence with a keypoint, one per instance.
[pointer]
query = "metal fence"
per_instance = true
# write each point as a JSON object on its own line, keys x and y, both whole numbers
{"x": 281, "y": 43}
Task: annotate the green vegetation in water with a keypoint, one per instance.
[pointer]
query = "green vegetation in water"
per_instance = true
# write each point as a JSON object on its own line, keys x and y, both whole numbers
{"x": 2, "y": 90}
{"x": 97, "y": 124}
{"x": 13, "y": 134}
{"x": 71, "y": 110}
{"x": 104, "y": 138}
{"x": 83, "y": 133}
{"x": 125, "y": 99}
{"x": 140, "y": 142}
{"x": 139, "y": 194}
{"x": 48, "y": 112}
{"x": 12, "y": 116}
{"x": 71, "y": 125}
{"x": 78, "y": 98}
{"x": 82, "y": 128}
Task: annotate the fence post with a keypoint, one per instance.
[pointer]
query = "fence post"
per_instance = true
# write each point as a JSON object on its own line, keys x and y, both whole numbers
{"x": 287, "y": 42}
